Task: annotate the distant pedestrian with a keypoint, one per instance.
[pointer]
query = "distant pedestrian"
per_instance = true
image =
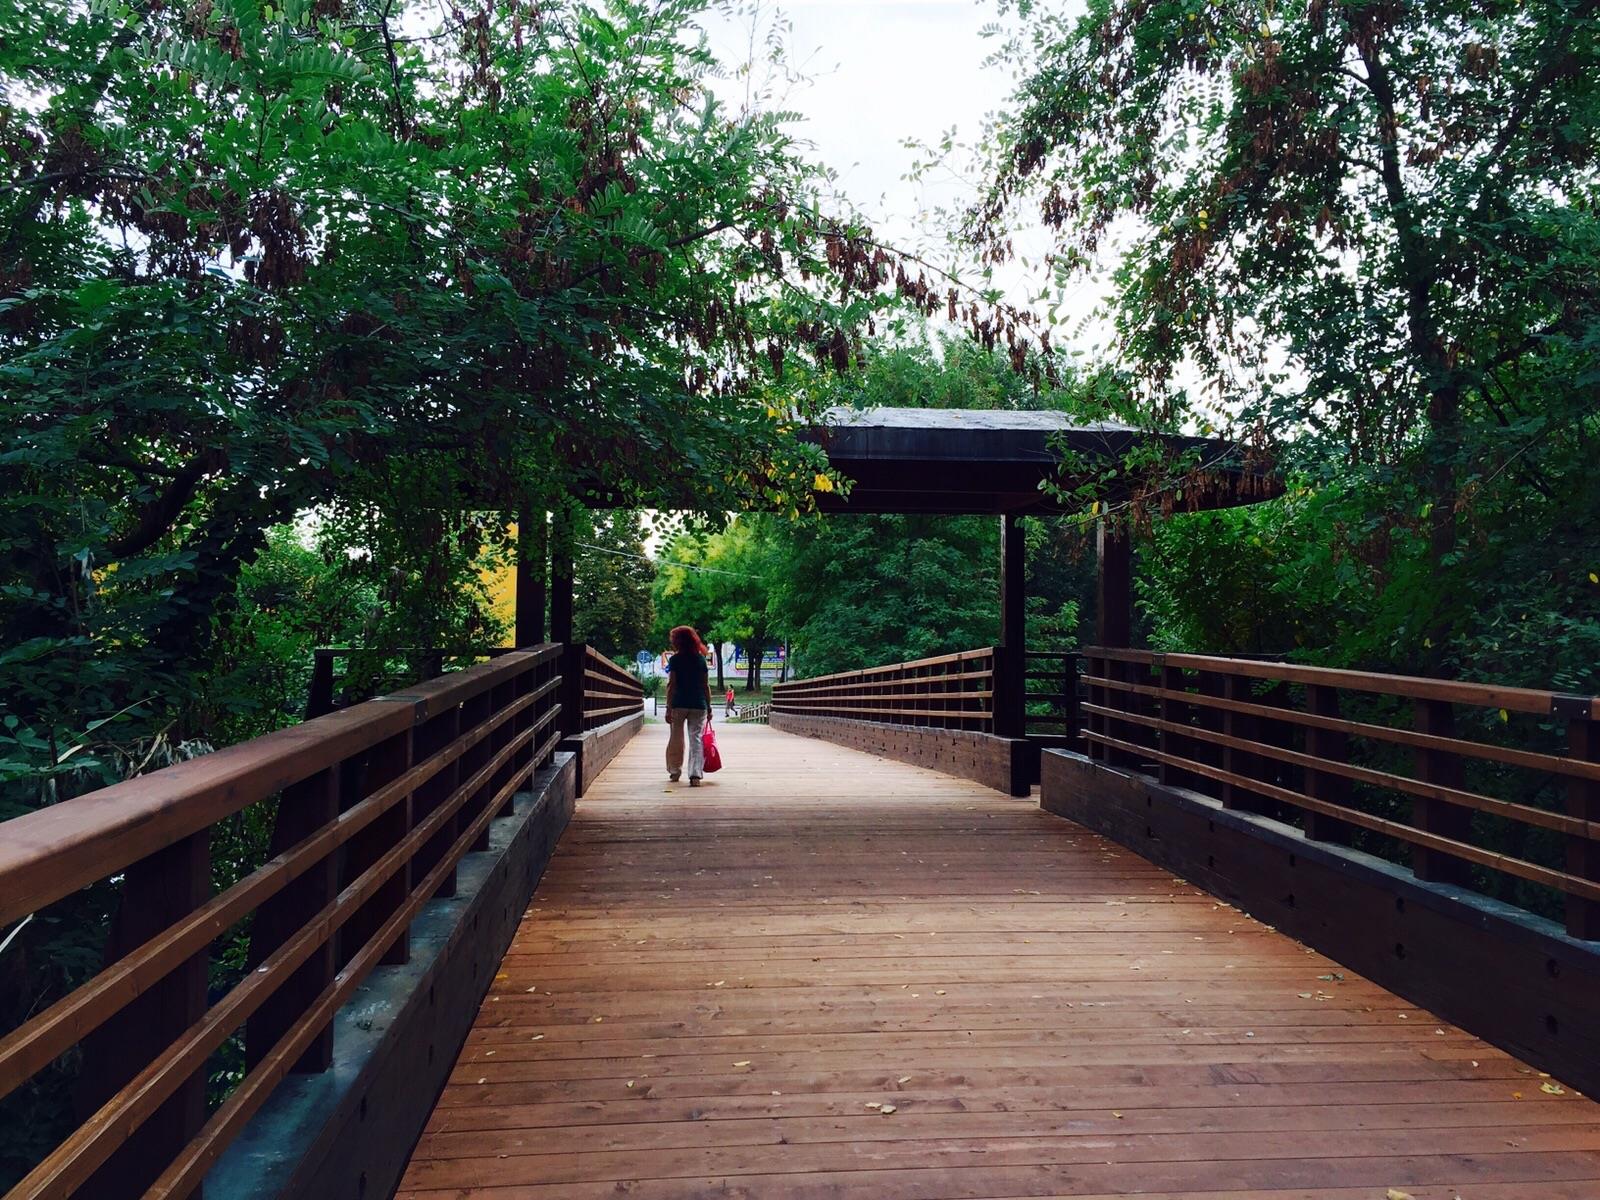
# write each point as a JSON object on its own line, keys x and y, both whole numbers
{"x": 731, "y": 709}
{"x": 688, "y": 703}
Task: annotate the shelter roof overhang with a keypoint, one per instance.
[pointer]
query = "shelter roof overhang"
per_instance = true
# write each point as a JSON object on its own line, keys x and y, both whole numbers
{"x": 950, "y": 461}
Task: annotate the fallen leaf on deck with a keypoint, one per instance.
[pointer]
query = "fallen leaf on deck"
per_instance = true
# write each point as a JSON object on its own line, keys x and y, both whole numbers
{"x": 886, "y": 1109}
{"x": 1397, "y": 1194}
{"x": 1553, "y": 1089}
{"x": 743, "y": 1062}
{"x": 905, "y": 1079}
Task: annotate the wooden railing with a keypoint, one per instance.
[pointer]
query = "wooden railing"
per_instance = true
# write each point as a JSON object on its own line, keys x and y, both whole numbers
{"x": 610, "y": 692}
{"x": 1051, "y": 681}
{"x": 420, "y": 663}
{"x": 1414, "y": 760}
{"x": 951, "y": 691}
{"x": 375, "y": 806}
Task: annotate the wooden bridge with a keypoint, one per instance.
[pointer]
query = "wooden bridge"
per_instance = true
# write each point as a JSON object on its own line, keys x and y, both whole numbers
{"x": 832, "y": 972}
{"x": 993, "y": 924}
{"x": 828, "y": 974}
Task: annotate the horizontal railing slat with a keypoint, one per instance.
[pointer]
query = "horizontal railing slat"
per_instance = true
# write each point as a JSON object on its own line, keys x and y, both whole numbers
{"x": 1257, "y": 728}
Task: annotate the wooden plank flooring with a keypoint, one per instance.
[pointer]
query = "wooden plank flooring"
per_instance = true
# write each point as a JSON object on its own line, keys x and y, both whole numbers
{"x": 828, "y": 975}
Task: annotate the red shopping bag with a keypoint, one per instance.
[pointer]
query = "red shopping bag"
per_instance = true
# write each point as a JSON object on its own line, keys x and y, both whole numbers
{"x": 708, "y": 743}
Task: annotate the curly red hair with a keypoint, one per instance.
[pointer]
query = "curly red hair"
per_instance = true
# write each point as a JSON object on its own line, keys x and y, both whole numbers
{"x": 686, "y": 640}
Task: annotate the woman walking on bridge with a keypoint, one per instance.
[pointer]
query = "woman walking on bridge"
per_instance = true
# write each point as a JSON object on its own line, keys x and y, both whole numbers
{"x": 688, "y": 703}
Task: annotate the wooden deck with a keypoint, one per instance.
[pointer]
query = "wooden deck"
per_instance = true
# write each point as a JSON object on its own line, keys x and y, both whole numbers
{"x": 828, "y": 975}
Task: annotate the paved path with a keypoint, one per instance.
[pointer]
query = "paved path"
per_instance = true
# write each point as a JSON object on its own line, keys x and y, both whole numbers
{"x": 828, "y": 975}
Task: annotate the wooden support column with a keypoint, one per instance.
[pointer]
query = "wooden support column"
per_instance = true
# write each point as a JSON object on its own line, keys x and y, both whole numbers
{"x": 533, "y": 559}
{"x": 1583, "y": 801}
{"x": 561, "y": 557}
{"x": 573, "y": 667}
{"x": 1011, "y": 654}
{"x": 1114, "y": 625}
{"x": 1114, "y": 588}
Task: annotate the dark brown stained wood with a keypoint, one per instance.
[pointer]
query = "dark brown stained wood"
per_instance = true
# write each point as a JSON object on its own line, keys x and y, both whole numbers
{"x": 158, "y": 890}
{"x": 533, "y": 560}
{"x": 1484, "y": 695}
{"x": 1010, "y": 663}
{"x": 386, "y": 761}
{"x": 562, "y": 552}
{"x": 1329, "y": 745}
{"x": 303, "y": 810}
{"x": 715, "y": 986}
{"x": 1583, "y": 803}
{"x": 1264, "y": 743}
{"x": 1571, "y": 766}
{"x": 1437, "y": 718}
{"x": 1114, "y": 586}
{"x": 1573, "y": 885}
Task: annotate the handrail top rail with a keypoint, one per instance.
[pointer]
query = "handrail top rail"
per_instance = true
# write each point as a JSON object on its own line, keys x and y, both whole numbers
{"x": 52, "y": 852}
{"x": 616, "y": 670}
{"x": 486, "y": 652}
{"x": 1416, "y": 687}
{"x": 937, "y": 660}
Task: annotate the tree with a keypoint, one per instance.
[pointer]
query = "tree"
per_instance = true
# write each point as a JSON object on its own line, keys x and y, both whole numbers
{"x": 1368, "y": 229}
{"x": 612, "y": 608}
{"x": 257, "y": 260}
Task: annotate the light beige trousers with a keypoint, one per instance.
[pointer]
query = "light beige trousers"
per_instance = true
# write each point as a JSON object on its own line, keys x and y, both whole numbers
{"x": 691, "y": 721}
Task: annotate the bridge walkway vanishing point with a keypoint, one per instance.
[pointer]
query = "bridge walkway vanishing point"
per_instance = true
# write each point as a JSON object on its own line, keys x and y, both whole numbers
{"x": 830, "y": 975}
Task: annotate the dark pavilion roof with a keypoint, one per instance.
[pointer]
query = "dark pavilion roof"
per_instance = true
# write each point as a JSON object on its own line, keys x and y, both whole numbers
{"x": 946, "y": 460}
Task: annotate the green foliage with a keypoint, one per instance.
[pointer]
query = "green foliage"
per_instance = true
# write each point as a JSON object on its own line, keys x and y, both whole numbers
{"x": 382, "y": 262}
{"x": 861, "y": 591}
{"x": 1365, "y": 237}
{"x": 612, "y": 608}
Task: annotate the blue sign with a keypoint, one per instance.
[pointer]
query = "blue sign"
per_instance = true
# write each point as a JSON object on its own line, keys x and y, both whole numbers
{"x": 644, "y": 658}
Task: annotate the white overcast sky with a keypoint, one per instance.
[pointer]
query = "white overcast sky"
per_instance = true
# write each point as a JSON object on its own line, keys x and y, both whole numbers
{"x": 875, "y": 74}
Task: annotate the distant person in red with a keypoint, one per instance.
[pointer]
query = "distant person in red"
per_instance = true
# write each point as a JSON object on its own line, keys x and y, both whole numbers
{"x": 729, "y": 711}
{"x": 688, "y": 703}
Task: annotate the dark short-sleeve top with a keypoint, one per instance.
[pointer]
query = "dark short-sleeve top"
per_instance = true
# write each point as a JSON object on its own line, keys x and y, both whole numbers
{"x": 687, "y": 681}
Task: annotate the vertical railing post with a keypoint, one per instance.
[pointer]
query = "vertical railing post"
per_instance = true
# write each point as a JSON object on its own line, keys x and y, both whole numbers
{"x": 319, "y": 701}
{"x": 433, "y": 736}
{"x": 500, "y": 698}
{"x": 1330, "y": 745}
{"x": 573, "y": 663}
{"x": 1235, "y": 759}
{"x": 156, "y": 892}
{"x": 304, "y": 808}
{"x": 1071, "y": 712}
{"x": 1438, "y": 816}
{"x": 1583, "y": 802}
{"x": 1175, "y": 712}
{"x": 474, "y": 711}
{"x": 385, "y": 762}
{"x": 1095, "y": 668}
{"x": 1211, "y": 719}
